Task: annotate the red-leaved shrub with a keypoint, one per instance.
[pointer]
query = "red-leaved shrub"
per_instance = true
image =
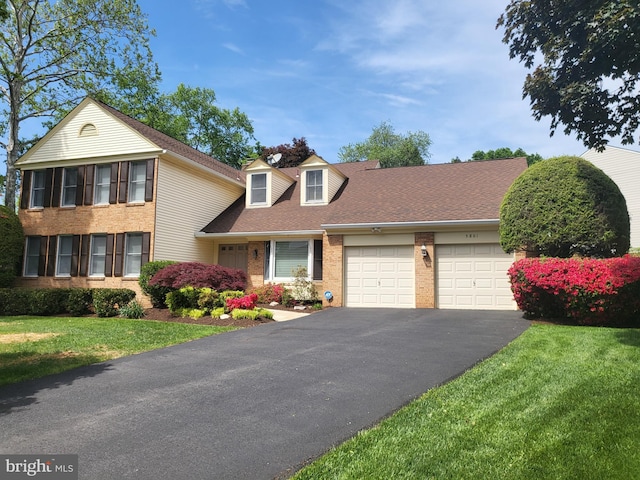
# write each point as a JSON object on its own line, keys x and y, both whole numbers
{"x": 269, "y": 292}
{"x": 591, "y": 291}
{"x": 248, "y": 302}
{"x": 195, "y": 274}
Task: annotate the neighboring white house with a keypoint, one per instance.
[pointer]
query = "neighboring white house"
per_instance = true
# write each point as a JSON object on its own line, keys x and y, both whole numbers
{"x": 623, "y": 167}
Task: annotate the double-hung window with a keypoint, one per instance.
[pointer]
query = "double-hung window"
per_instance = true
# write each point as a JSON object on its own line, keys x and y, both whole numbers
{"x": 69, "y": 186}
{"x": 32, "y": 257}
{"x": 133, "y": 254}
{"x": 37, "y": 189}
{"x": 65, "y": 253}
{"x": 284, "y": 258}
{"x": 102, "y": 185}
{"x": 137, "y": 180}
{"x": 258, "y": 188}
{"x": 314, "y": 186}
{"x": 98, "y": 255}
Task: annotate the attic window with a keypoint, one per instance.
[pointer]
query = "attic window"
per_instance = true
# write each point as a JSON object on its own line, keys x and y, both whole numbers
{"x": 88, "y": 130}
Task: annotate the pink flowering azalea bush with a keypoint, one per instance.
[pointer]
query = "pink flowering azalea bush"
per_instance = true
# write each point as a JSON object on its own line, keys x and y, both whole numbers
{"x": 591, "y": 291}
{"x": 248, "y": 302}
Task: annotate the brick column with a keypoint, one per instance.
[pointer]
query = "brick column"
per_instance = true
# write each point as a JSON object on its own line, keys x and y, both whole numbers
{"x": 255, "y": 266}
{"x": 332, "y": 268}
{"x": 425, "y": 271}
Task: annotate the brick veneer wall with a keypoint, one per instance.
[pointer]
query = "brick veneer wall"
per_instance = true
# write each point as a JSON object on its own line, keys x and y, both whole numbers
{"x": 332, "y": 268}
{"x": 424, "y": 271}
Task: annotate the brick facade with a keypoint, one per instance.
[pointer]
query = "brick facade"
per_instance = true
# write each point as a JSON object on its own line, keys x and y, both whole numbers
{"x": 424, "y": 271}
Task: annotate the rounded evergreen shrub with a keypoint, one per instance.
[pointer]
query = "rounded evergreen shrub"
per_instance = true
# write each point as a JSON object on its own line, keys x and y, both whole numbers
{"x": 565, "y": 206}
{"x": 156, "y": 293}
{"x": 10, "y": 247}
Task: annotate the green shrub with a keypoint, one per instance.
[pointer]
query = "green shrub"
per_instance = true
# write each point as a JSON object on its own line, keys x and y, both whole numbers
{"x": 565, "y": 206}
{"x": 12, "y": 243}
{"x": 239, "y": 313}
{"x": 208, "y": 298}
{"x": 33, "y": 301}
{"x": 14, "y": 301}
{"x": 156, "y": 293}
{"x": 107, "y": 301}
{"x": 217, "y": 312}
{"x": 79, "y": 301}
{"x": 185, "y": 297}
{"x": 131, "y": 310}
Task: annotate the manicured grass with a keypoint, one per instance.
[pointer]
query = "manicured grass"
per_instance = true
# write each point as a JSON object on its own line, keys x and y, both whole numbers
{"x": 32, "y": 347}
{"x": 560, "y": 402}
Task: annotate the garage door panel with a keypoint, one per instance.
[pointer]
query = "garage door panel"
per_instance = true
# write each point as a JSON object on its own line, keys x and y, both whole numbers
{"x": 380, "y": 276}
{"x": 473, "y": 276}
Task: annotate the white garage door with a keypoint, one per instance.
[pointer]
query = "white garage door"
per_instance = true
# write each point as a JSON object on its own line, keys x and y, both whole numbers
{"x": 380, "y": 277}
{"x": 473, "y": 277}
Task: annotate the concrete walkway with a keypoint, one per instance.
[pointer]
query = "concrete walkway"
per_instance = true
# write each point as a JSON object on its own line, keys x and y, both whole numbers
{"x": 249, "y": 404}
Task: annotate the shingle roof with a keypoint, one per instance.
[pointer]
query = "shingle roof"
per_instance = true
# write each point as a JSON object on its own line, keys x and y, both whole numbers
{"x": 172, "y": 145}
{"x": 441, "y": 192}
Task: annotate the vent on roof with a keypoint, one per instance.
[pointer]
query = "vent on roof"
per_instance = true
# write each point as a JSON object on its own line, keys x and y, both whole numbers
{"x": 88, "y": 130}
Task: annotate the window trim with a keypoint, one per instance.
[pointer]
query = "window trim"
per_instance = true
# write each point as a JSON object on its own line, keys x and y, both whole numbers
{"x": 34, "y": 188}
{"x": 100, "y": 187}
{"x": 315, "y": 186}
{"x": 93, "y": 255}
{"x": 69, "y": 187}
{"x": 128, "y": 255}
{"x": 30, "y": 245}
{"x": 140, "y": 184}
{"x": 261, "y": 189}
{"x": 60, "y": 255}
{"x": 270, "y": 260}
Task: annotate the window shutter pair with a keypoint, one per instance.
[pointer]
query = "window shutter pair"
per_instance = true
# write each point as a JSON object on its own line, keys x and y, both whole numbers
{"x": 52, "y": 257}
{"x": 120, "y": 253}
{"x": 123, "y": 193}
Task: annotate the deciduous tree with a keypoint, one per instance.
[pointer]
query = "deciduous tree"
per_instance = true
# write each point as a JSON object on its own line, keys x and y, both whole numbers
{"x": 390, "y": 148}
{"x": 53, "y": 53}
{"x": 293, "y": 154}
{"x": 586, "y": 64}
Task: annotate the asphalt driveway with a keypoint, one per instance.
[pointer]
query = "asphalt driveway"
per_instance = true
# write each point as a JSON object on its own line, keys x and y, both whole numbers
{"x": 249, "y": 404}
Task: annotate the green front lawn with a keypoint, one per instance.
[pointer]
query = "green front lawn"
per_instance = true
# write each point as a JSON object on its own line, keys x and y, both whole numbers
{"x": 32, "y": 347}
{"x": 560, "y": 402}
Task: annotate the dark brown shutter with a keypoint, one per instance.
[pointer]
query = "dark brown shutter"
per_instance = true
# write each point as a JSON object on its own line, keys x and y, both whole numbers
{"x": 51, "y": 260}
{"x": 79, "y": 186}
{"x": 26, "y": 189}
{"x": 75, "y": 254}
{"x": 84, "y": 255}
{"x": 119, "y": 256}
{"x": 113, "y": 185}
{"x": 42, "y": 260}
{"x": 88, "y": 184}
{"x": 146, "y": 248}
{"x": 48, "y": 181}
{"x": 317, "y": 259}
{"x": 148, "y": 186}
{"x": 57, "y": 186}
{"x": 108, "y": 258}
{"x": 124, "y": 182}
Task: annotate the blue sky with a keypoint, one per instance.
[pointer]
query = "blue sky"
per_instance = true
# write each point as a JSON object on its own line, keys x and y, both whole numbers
{"x": 331, "y": 70}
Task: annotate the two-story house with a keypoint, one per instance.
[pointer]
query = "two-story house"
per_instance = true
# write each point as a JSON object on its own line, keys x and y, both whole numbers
{"x": 103, "y": 193}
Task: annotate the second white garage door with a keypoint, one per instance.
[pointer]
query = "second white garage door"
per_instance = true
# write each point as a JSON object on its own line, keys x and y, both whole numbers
{"x": 473, "y": 277}
{"x": 380, "y": 277}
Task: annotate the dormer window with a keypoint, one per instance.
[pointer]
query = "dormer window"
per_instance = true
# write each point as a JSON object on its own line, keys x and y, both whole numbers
{"x": 314, "y": 188}
{"x": 258, "y": 189}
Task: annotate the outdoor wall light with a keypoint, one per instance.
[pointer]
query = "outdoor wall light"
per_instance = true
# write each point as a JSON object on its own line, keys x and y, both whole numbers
{"x": 423, "y": 249}
{"x": 255, "y": 254}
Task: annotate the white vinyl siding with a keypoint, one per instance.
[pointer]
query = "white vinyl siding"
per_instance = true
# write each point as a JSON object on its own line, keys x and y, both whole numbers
{"x": 279, "y": 184}
{"x": 102, "y": 185}
{"x": 65, "y": 142}
{"x": 334, "y": 182}
{"x": 98, "y": 255}
{"x": 380, "y": 276}
{"x": 37, "y": 189}
{"x": 65, "y": 252}
{"x": 473, "y": 276}
{"x": 187, "y": 200}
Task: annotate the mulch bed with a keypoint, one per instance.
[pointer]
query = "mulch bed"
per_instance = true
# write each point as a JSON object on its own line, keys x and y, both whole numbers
{"x": 164, "y": 315}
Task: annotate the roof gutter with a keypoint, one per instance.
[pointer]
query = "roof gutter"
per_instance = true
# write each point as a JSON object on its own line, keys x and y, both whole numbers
{"x": 437, "y": 223}
{"x": 297, "y": 233}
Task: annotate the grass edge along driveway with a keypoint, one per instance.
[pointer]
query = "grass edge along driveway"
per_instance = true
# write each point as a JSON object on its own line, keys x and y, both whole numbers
{"x": 558, "y": 402}
{"x": 33, "y": 347}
